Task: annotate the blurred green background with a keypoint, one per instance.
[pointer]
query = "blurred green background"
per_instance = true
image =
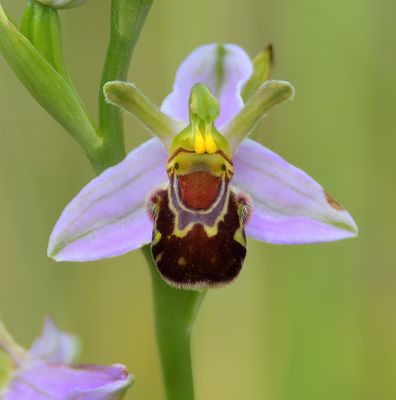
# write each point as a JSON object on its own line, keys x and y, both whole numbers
{"x": 310, "y": 322}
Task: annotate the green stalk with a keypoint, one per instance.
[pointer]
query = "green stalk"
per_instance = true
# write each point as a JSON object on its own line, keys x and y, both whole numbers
{"x": 174, "y": 312}
{"x": 10, "y": 346}
{"x": 127, "y": 19}
{"x": 37, "y": 60}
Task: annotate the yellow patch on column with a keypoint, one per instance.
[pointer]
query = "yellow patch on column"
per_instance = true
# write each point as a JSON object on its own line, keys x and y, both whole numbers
{"x": 199, "y": 142}
{"x": 210, "y": 144}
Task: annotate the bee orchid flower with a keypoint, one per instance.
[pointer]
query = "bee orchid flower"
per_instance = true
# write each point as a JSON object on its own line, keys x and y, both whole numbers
{"x": 45, "y": 371}
{"x": 200, "y": 185}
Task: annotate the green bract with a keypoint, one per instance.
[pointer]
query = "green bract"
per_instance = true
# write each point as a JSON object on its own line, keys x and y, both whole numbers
{"x": 41, "y": 26}
{"x": 36, "y": 60}
{"x": 5, "y": 369}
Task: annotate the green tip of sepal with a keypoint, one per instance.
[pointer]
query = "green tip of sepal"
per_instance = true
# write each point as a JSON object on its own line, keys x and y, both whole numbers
{"x": 128, "y": 97}
{"x": 262, "y": 69}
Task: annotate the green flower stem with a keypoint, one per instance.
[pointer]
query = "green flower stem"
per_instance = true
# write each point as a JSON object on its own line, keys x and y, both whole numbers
{"x": 10, "y": 346}
{"x": 36, "y": 60}
{"x": 127, "y": 19}
{"x": 174, "y": 311}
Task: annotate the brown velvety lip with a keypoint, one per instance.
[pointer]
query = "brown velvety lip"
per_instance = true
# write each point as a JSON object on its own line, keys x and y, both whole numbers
{"x": 198, "y": 189}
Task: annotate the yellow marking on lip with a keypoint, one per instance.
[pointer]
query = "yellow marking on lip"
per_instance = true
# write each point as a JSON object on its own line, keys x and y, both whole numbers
{"x": 182, "y": 262}
{"x": 157, "y": 237}
{"x": 209, "y": 230}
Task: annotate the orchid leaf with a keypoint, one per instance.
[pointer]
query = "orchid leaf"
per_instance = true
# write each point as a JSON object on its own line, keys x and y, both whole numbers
{"x": 47, "y": 86}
